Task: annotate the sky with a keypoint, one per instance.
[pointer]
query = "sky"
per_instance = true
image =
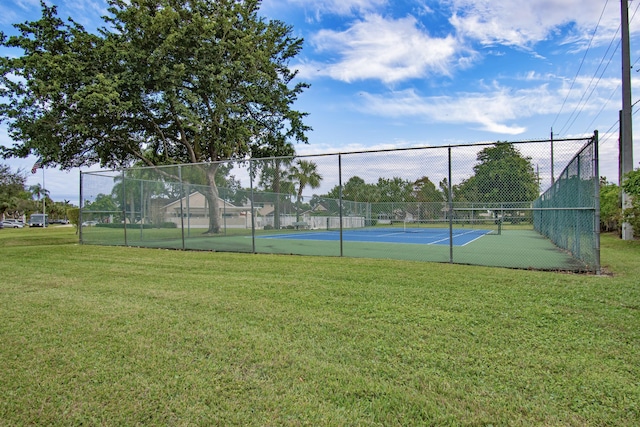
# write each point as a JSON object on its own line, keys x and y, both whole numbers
{"x": 412, "y": 73}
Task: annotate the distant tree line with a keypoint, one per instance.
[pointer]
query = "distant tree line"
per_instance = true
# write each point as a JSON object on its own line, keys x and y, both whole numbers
{"x": 18, "y": 200}
{"x": 502, "y": 175}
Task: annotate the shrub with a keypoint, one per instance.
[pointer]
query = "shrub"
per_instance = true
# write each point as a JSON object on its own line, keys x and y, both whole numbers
{"x": 631, "y": 186}
{"x": 610, "y": 211}
{"x": 73, "y": 214}
{"x": 167, "y": 224}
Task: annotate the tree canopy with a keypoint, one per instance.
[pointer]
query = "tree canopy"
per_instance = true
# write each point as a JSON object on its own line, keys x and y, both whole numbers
{"x": 501, "y": 175}
{"x": 12, "y": 190}
{"x": 164, "y": 82}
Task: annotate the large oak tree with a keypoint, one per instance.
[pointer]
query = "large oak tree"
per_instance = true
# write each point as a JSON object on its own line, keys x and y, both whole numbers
{"x": 502, "y": 175}
{"x": 163, "y": 82}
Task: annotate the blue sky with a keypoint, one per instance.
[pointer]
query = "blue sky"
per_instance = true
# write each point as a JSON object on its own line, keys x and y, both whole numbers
{"x": 405, "y": 73}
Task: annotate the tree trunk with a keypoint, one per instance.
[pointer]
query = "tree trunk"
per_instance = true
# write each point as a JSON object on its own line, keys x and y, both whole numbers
{"x": 132, "y": 204}
{"x": 298, "y": 202}
{"x": 276, "y": 190}
{"x": 213, "y": 200}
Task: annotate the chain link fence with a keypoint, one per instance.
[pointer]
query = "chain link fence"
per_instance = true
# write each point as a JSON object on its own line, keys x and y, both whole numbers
{"x": 480, "y": 204}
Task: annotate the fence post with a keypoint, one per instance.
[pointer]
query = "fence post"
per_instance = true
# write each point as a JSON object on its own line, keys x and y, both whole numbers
{"x": 340, "y": 200}
{"x": 181, "y": 205}
{"x": 577, "y": 212}
{"x": 80, "y": 212}
{"x": 596, "y": 219}
{"x": 253, "y": 210}
{"x": 141, "y": 209}
{"x": 124, "y": 207}
{"x": 450, "y": 211}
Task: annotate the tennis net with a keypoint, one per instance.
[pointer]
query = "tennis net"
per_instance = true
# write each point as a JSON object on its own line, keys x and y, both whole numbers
{"x": 459, "y": 226}
{"x": 484, "y": 226}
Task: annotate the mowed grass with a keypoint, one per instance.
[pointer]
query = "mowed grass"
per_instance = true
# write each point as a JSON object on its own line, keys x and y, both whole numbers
{"x": 123, "y": 336}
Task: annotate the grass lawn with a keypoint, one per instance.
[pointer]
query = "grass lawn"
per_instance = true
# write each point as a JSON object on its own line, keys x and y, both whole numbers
{"x": 123, "y": 336}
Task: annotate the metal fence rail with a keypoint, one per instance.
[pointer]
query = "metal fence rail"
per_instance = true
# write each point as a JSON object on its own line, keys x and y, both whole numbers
{"x": 478, "y": 204}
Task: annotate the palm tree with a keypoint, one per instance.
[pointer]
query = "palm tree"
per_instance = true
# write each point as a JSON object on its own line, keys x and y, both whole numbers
{"x": 38, "y": 191}
{"x": 135, "y": 189}
{"x": 273, "y": 178}
{"x": 305, "y": 173}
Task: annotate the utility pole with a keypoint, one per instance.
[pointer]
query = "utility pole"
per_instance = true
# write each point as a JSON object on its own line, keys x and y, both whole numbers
{"x": 626, "y": 133}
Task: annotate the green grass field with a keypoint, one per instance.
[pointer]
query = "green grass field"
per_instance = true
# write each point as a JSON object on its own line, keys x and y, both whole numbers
{"x": 97, "y": 335}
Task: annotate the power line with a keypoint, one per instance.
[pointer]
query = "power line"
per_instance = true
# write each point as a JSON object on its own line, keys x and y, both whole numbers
{"x": 578, "y": 109}
{"x": 604, "y": 105}
{"x": 580, "y": 105}
{"x": 607, "y": 134}
{"x": 581, "y": 64}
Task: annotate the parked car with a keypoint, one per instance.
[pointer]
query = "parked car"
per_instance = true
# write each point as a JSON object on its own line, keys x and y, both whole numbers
{"x": 13, "y": 223}
{"x": 39, "y": 220}
{"x": 89, "y": 223}
{"x": 1, "y": 225}
{"x": 59, "y": 221}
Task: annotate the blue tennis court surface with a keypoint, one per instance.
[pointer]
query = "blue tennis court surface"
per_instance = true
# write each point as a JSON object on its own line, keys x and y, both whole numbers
{"x": 439, "y": 236}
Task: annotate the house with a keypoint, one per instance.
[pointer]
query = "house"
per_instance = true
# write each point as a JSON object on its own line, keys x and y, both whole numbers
{"x": 195, "y": 214}
{"x": 195, "y": 211}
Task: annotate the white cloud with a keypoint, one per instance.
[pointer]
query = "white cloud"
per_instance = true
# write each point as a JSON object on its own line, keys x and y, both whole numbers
{"x": 390, "y": 50}
{"x": 497, "y": 109}
{"x": 488, "y": 112}
{"x": 526, "y": 23}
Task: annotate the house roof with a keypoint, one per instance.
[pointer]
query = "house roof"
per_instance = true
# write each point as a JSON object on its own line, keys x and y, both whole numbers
{"x": 197, "y": 200}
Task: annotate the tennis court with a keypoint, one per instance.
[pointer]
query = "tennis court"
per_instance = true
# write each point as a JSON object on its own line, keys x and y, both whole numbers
{"x": 424, "y": 236}
{"x": 455, "y": 204}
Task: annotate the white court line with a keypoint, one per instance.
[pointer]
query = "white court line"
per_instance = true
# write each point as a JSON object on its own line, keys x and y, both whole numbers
{"x": 390, "y": 234}
{"x": 284, "y": 236}
{"x": 458, "y": 235}
{"x": 482, "y": 235}
{"x": 419, "y": 236}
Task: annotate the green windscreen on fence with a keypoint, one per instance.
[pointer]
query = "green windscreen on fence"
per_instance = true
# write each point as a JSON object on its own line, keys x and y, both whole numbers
{"x": 565, "y": 212}
{"x": 480, "y": 204}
